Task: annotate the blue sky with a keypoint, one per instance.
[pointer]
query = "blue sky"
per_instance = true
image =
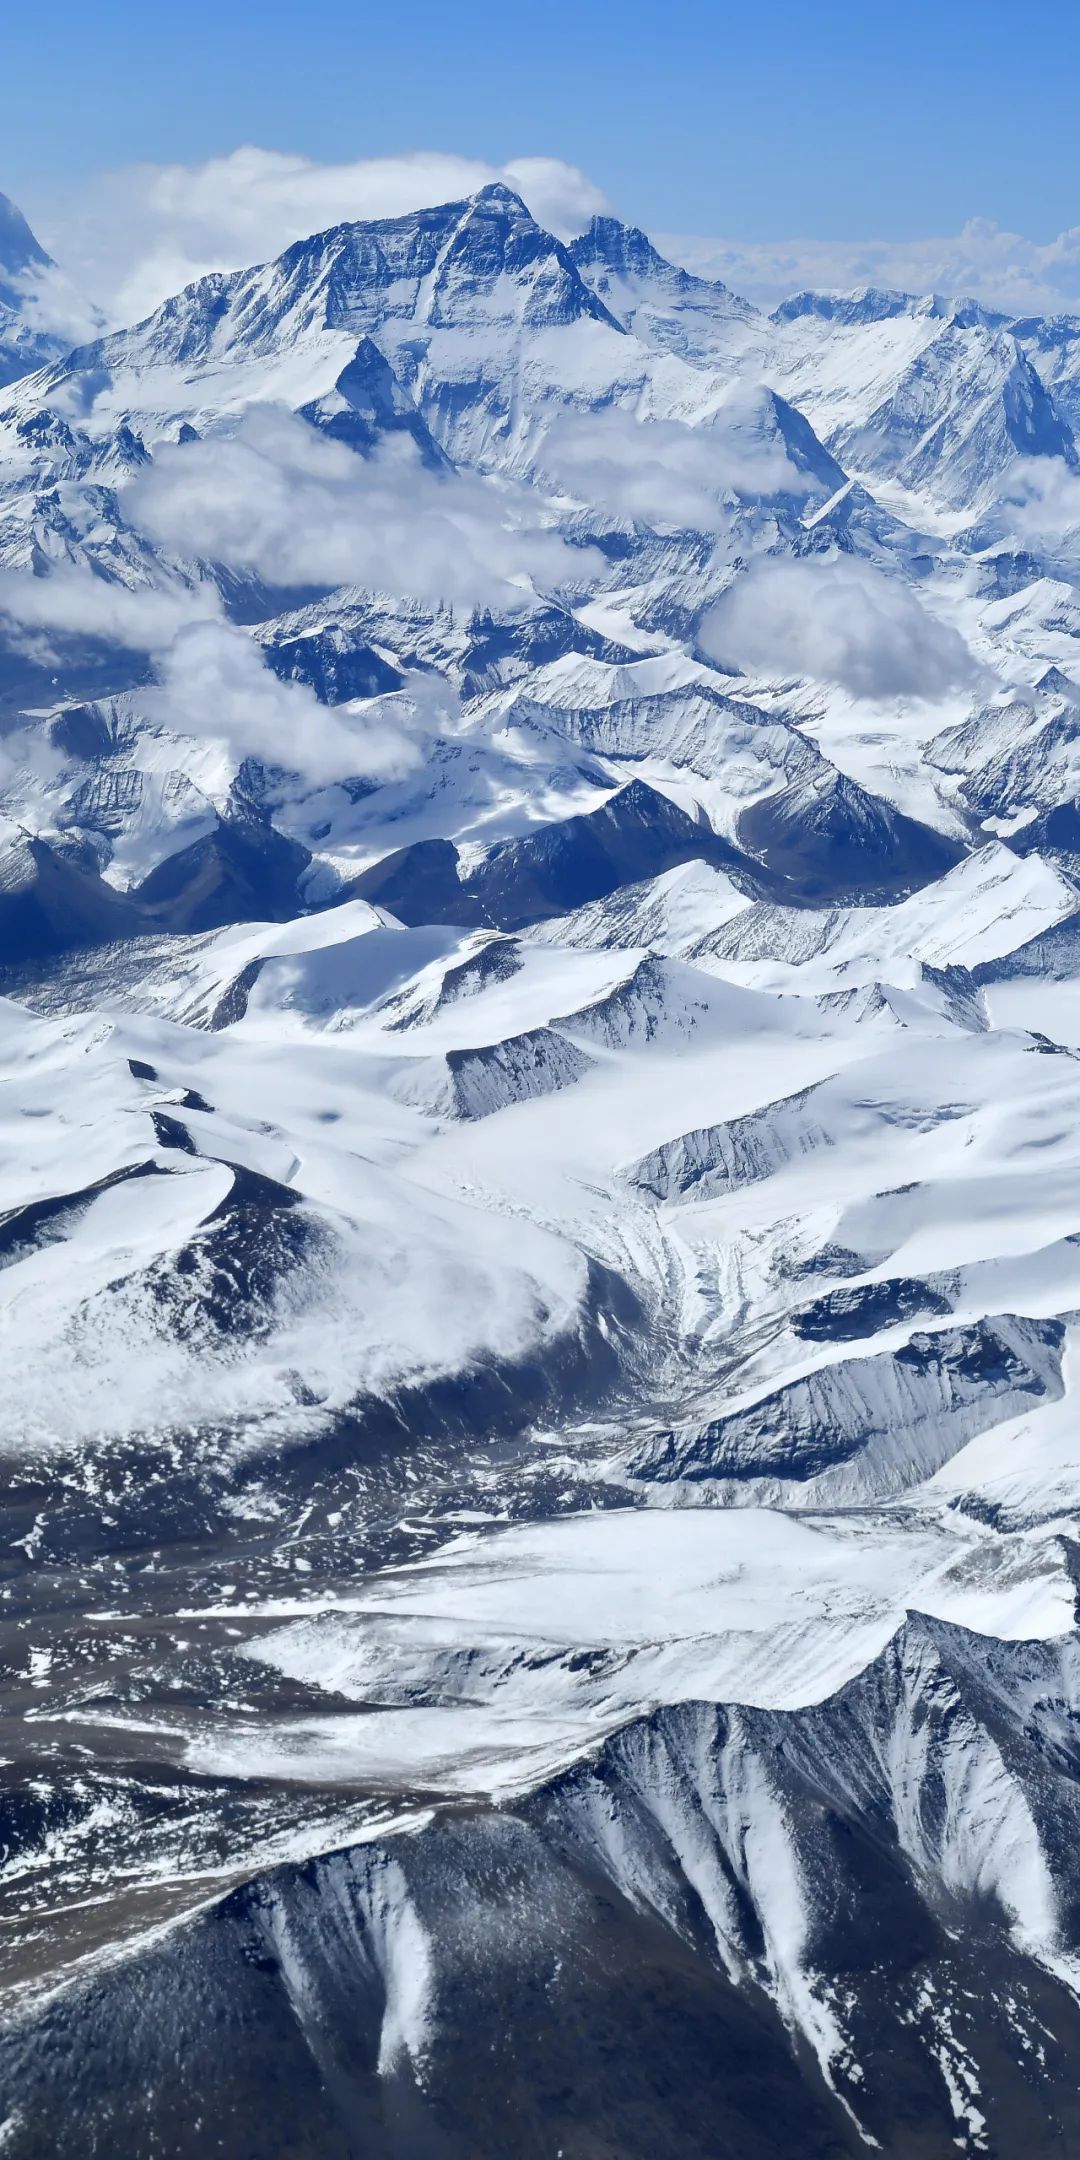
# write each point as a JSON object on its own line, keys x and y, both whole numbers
{"x": 836, "y": 120}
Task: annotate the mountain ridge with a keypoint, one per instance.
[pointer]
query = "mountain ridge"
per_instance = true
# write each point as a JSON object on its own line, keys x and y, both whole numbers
{"x": 540, "y": 1234}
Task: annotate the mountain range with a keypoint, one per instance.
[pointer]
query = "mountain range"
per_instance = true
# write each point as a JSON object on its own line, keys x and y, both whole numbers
{"x": 540, "y": 952}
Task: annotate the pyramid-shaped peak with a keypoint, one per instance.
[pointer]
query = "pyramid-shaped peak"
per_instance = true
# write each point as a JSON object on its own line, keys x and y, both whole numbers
{"x": 609, "y": 238}
{"x": 625, "y": 251}
{"x": 499, "y": 240}
{"x": 625, "y": 269}
{"x": 499, "y": 196}
{"x": 479, "y": 263}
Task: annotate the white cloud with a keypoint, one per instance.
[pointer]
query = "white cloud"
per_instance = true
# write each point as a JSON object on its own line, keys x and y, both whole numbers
{"x": 1042, "y": 498}
{"x": 279, "y": 500}
{"x": 286, "y": 504}
{"x": 836, "y": 620}
{"x": 211, "y": 677}
{"x": 662, "y": 473}
{"x": 1000, "y": 269}
{"x": 213, "y": 682}
{"x": 561, "y": 197}
{"x": 51, "y": 306}
{"x": 76, "y": 602}
{"x": 133, "y": 237}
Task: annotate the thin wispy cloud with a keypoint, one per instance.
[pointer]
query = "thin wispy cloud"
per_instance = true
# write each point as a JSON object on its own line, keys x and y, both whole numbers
{"x": 660, "y": 473}
{"x": 1003, "y": 270}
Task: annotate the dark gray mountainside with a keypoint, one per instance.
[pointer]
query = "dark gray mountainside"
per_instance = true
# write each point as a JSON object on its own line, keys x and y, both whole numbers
{"x": 614, "y": 1966}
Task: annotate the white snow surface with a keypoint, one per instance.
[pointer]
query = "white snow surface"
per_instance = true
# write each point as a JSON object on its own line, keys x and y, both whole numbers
{"x": 750, "y": 1159}
{"x": 522, "y": 1644}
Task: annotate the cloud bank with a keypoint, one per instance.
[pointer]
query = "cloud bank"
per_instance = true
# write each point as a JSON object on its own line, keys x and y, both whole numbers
{"x": 835, "y": 620}
{"x": 133, "y": 237}
{"x": 281, "y": 502}
{"x": 289, "y": 505}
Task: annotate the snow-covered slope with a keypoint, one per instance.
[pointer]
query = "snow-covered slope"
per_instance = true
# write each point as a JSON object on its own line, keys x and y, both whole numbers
{"x": 696, "y": 317}
{"x": 924, "y": 395}
{"x": 798, "y": 1931}
{"x": 540, "y": 1214}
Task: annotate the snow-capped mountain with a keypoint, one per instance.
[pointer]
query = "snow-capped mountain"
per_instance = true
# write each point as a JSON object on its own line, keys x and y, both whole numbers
{"x": 41, "y": 313}
{"x": 540, "y": 919}
{"x": 696, "y": 317}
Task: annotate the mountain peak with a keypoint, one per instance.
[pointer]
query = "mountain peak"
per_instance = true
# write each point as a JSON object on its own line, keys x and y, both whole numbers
{"x": 40, "y": 313}
{"x": 867, "y": 304}
{"x": 626, "y": 252}
{"x": 877, "y": 304}
{"x": 481, "y": 263}
{"x": 496, "y": 191}
{"x": 624, "y": 248}
{"x": 20, "y": 249}
{"x": 622, "y": 267}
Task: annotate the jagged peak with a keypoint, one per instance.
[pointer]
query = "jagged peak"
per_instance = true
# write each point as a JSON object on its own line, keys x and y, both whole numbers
{"x": 353, "y": 275}
{"x": 498, "y": 194}
{"x": 493, "y": 202}
{"x": 865, "y": 304}
{"x": 882, "y": 303}
{"x": 624, "y": 247}
{"x": 610, "y": 253}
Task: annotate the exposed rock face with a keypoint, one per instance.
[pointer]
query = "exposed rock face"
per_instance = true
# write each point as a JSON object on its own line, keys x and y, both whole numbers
{"x": 539, "y": 1212}
{"x": 793, "y": 1933}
